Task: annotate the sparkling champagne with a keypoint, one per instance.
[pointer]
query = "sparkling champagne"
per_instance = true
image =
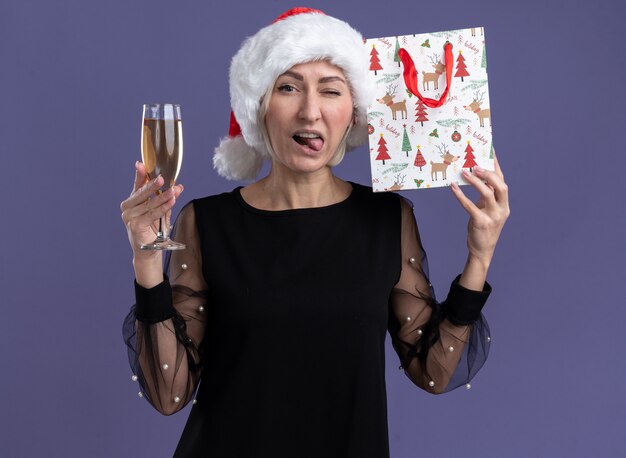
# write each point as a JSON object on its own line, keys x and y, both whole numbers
{"x": 162, "y": 148}
{"x": 162, "y": 154}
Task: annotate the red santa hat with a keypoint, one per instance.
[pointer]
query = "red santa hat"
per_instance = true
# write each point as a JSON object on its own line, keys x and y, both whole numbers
{"x": 297, "y": 36}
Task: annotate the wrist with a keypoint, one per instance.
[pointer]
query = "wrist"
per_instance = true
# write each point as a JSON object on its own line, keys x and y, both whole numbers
{"x": 147, "y": 257}
{"x": 475, "y": 273}
{"x": 148, "y": 269}
{"x": 479, "y": 264}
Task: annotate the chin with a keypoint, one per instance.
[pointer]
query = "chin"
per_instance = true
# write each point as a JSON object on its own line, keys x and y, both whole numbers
{"x": 306, "y": 165}
{"x": 309, "y": 168}
{"x": 305, "y": 161}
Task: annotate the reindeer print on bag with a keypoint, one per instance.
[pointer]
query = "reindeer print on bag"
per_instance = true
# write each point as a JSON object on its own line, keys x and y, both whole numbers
{"x": 398, "y": 183}
{"x": 475, "y": 107}
{"x": 387, "y": 99}
{"x": 436, "y": 167}
{"x": 433, "y": 77}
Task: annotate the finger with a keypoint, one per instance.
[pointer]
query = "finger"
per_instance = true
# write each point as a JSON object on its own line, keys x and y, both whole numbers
{"x": 139, "y": 196}
{"x": 485, "y": 191}
{"x": 496, "y": 164}
{"x": 481, "y": 203}
{"x": 140, "y": 176}
{"x": 495, "y": 183}
{"x": 179, "y": 188}
{"x": 167, "y": 218}
{"x": 149, "y": 204}
{"x": 160, "y": 211}
{"x": 465, "y": 201}
{"x": 150, "y": 218}
{"x": 134, "y": 211}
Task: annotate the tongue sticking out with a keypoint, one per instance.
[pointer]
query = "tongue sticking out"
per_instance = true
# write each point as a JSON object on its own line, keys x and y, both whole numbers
{"x": 314, "y": 143}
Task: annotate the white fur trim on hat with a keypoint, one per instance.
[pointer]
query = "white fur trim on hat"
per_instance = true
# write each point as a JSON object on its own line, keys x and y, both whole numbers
{"x": 297, "y": 39}
{"x": 236, "y": 160}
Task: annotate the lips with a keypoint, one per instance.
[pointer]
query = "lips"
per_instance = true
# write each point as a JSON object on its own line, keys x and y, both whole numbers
{"x": 309, "y": 138}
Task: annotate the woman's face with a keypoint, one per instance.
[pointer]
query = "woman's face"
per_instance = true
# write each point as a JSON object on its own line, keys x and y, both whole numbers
{"x": 309, "y": 111}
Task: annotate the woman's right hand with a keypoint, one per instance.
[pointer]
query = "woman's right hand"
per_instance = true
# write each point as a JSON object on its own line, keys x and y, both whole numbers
{"x": 142, "y": 210}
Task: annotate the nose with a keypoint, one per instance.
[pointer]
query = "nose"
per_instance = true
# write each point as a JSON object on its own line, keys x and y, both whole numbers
{"x": 310, "y": 109}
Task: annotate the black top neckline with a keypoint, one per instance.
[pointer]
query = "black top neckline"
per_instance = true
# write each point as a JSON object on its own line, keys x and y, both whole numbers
{"x": 296, "y": 211}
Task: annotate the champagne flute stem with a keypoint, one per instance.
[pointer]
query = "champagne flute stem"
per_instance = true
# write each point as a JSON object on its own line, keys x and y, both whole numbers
{"x": 160, "y": 234}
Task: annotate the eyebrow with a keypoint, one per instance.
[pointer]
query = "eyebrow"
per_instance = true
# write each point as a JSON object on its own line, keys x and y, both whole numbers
{"x": 325, "y": 79}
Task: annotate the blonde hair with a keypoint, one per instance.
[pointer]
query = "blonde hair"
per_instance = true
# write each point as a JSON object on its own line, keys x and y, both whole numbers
{"x": 264, "y": 106}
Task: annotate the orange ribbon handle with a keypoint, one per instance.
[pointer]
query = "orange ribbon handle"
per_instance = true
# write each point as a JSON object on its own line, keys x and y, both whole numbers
{"x": 410, "y": 76}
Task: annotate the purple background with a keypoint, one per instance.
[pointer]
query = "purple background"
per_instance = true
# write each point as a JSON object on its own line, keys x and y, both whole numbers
{"x": 74, "y": 75}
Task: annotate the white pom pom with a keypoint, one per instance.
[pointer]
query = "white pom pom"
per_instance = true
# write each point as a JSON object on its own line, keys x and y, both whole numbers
{"x": 234, "y": 159}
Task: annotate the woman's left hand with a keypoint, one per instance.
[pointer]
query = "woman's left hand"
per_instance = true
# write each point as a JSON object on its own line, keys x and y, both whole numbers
{"x": 488, "y": 215}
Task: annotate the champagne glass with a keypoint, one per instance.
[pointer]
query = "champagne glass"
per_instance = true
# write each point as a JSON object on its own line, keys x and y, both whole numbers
{"x": 162, "y": 154}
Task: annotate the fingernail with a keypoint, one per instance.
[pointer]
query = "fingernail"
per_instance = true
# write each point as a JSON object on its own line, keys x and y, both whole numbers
{"x": 466, "y": 173}
{"x": 479, "y": 169}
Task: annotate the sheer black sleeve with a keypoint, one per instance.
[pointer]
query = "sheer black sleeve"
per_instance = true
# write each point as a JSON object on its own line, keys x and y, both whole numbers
{"x": 441, "y": 345}
{"x": 165, "y": 327}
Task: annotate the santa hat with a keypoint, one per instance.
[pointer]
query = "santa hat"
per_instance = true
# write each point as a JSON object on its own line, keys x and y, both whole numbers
{"x": 297, "y": 36}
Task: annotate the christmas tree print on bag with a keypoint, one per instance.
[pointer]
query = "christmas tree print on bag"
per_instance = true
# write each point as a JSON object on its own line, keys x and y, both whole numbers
{"x": 431, "y": 92}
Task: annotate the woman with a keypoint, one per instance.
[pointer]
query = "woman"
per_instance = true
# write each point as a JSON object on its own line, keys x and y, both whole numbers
{"x": 283, "y": 297}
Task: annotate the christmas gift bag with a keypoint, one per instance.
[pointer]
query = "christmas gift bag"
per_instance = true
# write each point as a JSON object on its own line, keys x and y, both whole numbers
{"x": 430, "y": 119}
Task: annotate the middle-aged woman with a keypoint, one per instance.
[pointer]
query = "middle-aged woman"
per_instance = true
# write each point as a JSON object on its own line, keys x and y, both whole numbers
{"x": 273, "y": 320}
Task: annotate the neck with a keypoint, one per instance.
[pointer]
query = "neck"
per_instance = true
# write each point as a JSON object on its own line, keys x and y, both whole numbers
{"x": 283, "y": 189}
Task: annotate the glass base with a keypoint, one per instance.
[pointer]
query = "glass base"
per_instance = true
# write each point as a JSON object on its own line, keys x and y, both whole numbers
{"x": 161, "y": 243}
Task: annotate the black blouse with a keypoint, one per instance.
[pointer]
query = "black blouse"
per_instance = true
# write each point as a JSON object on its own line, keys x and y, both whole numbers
{"x": 274, "y": 324}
